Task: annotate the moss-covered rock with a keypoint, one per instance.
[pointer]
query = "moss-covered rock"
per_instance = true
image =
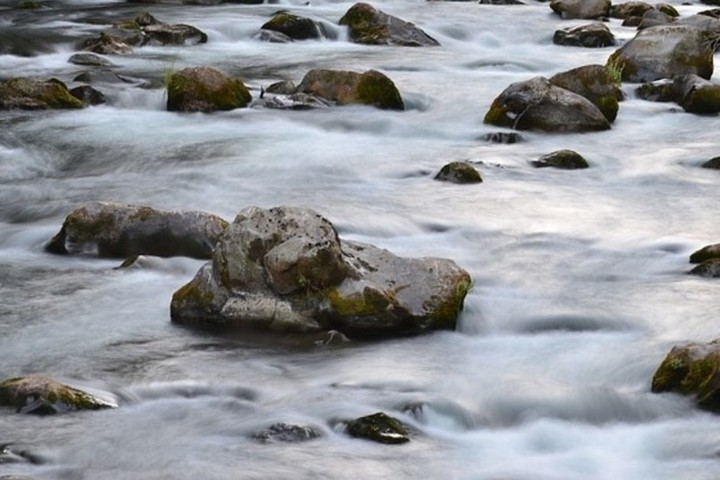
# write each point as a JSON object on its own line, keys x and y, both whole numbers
{"x": 537, "y": 104}
{"x": 286, "y": 269}
{"x": 458, "y": 172}
{"x": 120, "y": 231}
{"x": 29, "y": 94}
{"x": 706, "y": 253}
{"x": 692, "y": 370}
{"x": 664, "y": 52}
{"x": 295, "y": 26}
{"x": 593, "y": 35}
{"x": 660, "y": 91}
{"x": 595, "y": 83}
{"x": 205, "y": 89}
{"x": 697, "y": 95}
{"x": 586, "y": 9}
{"x": 370, "y": 26}
{"x": 346, "y": 88}
{"x": 379, "y": 427}
{"x": 42, "y": 395}
{"x": 562, "y": 159}
{"x": 629, "y": 9}
{"x": 709, "y": 268}
{"x": 179, "y": 34}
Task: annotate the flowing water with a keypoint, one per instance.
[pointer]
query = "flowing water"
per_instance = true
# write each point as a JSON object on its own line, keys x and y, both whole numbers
{"x": 579, "y": 276}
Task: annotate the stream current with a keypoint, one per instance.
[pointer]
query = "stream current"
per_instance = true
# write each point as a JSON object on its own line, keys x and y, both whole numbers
{"x": 580, "y": 284}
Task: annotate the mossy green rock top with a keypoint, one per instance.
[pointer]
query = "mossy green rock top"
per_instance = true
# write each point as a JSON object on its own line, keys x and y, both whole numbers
{"x": 346, "y": 88}
{"x": 119, "y": 230}
{"x": 563, "y": 159}
{"x": 692, "y": 369}
{"x": 370, "y": 26}
{"x": 595, "y": 83}
{"x": 459, "y": 172}
{"x": 205, "y": 89}
{"x": 286, "y": 269}
{"x": 665, "y": 51}
{"x": 29, "y": 94}
{"x": 294, "y": 26}
{"x": 42, "y": 395}
{"x": 379, "y": 427}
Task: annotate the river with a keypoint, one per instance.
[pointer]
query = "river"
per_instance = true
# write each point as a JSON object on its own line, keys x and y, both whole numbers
{"x": 580, "y": 284}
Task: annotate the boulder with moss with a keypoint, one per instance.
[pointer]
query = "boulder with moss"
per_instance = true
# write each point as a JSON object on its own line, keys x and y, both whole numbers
{"x": 593, "y": 35}
{"x": 664, "y": 52}
{"x": 205, "y": 89}
{"x": 629, "y": 9}
{"x": 697, "y": 95}
{"x": 563, "y": 159}
{"x": 42, "y": 395}
{"x": 458, "y": 172}
{"x": 585, "y": 9}
{"x": 286, "y": 269}
{"x": 120, "y": 231}
{"x": 595, "y": 83}
{"x": 709, "y": 269}
{"x": 347, "y": 88}
{"x": 537, "y": 104}
{"x": 706, "y": 253}
{"x": 29, "y": 94}
{"x": 692, "y": 369}
{"x": 370, "y": 26}
{"x": 295, "y": 26}
{"x": 379, "y": 427}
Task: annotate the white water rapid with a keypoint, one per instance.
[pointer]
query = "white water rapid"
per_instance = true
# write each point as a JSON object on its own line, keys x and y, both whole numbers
{"x": 580, "y": 285}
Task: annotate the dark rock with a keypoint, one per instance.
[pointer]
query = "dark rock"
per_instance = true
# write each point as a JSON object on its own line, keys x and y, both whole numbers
{"x": 536, "y": 104}
{"x": 286, "y": 269}
{"x": 667, "y": 9}
{"x": 692, "y": 369}
{"x": 593, "y": 35}
{"x": 285, "y": 87}
{"x": 28, "y": 94}
{"x": 273, "y": 37}
{"x": 562, "y": 159}
{"x": 697, "y": 95}
{"x": 713, "y": 163}
{"x": 660, "y": 91}
{"x": 595, "y": 83}
{"x": 107, "y": 45}
{"x": 459, "y": 172}
{"x": 663, "y": 52}
{"x": 173, "y": 35}
{"x": 346, "y": 88}
{"x": 43, "y": 396}
{"x": 714, "y": 13}
{"x": 283, "y": 432}
{"x": 501, "y": 2}
{"x": 708, "y": 268}
{"x": 88, "y": 95}
{"x": 653, "y": 18}
{"x": 629, "y": 9}
{"x": 503, "y": 137}
{"x": 370, "y": 26}
{"x": 295, "y": 101}
{"x": 90, "y": 60}
{"x": 584, "y": 9}
{"x": 379, "y": 427}
{"x": 204, "y": 89}
{"x": 101, "y": 76}
{"x": 706, "y": 253}
{"x": 121, "y": 231}
{"x": 295, "y": 27}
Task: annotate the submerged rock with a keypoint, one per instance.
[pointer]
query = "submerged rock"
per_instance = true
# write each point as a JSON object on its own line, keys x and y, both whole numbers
{"x": 537, "y": 104}
{"x": 286, "y": 269}
{"x": 503, "y": 137}
{"x": 595, "y": 83}
{"x": 120, "y": 231}
{"x": 459, "y": 172}
{"x": 90, "y": 60}
{"x": 88, "y": 95}
{"x": 562, "y": 159}
{"x": 664, "y": 52}
{"x": 709, "y": 268}
{"x": 587, "y": 9}
{"x": 692, "y": 369}
{"x": 706, "y": 253}
{"x": 346, "y": 88}
{"x": 370, "y": 26}
{"x": 205, "y": 89}
{"x": 43, "y": 396}
{"x": 287, "y": 433}
{"x": 295, "y": 27}
{"x": 379, "y": 427}
{"x": 593, "y": 35}
{"x": 29, "y": 94}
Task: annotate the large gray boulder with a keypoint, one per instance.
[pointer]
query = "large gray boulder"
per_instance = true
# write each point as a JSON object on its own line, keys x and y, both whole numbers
{"x": 663, "y": 52}
{"x": 286, "y": 269}
{"x": 295, "y": 26}
{"x": 537, "y": 104}
{"x": 587, "y": 9}
{"x": 595, "y": 83}
{"x": 348, "y": 88}
{"x": 120, "y": 231}
{"x": 370, "y": 26}
{"x": 205, "y": 89}
{"x": 593, "y": 35}
{"x": 28, "y": 94}
{"x": 42, "y": 395}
